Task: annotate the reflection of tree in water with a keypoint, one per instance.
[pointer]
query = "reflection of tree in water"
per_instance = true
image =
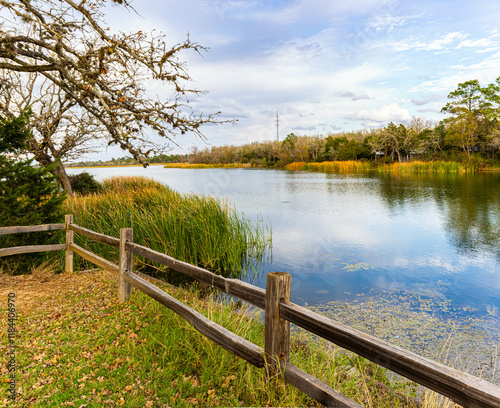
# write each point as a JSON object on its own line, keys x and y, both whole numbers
{"x": 470, "y": 204}
{"x": 473, "y": 215}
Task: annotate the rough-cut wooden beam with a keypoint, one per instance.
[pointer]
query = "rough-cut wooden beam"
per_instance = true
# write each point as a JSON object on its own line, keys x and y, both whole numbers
{"x": 465, "y": 389}
{"x": 314, "y": 388}
{"x": 233, "y": 287}
{"x": 277, "y": 329}
{"x": 70, "y": 237}
{"x": 193, "y": 271}
{"x": 30, "y": 249}
{"x": 97, "y": 260}
{"x": 247, "y": 292}
{"x": 105, "y": 239}
{"x": 126, "y": 262}
{"x": 218, "y": 334}
{"x": 31, "y": 228}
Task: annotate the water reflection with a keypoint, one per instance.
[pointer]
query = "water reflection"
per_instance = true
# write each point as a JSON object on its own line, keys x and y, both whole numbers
{"x": 341, "y": 236}
{"x": 470, "y": 205}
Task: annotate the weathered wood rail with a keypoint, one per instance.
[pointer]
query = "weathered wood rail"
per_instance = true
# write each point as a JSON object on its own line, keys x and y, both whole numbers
{"x": 31, "y": 248}
{"x": 462, "y": 388}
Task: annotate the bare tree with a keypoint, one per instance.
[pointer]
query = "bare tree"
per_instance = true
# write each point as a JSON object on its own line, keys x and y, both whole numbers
{"x": 60, "y": 128}
{"x": 84, "y": 81}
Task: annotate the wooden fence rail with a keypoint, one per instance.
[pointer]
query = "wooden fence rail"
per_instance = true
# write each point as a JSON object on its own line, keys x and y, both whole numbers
{"x": 467, "y": 390}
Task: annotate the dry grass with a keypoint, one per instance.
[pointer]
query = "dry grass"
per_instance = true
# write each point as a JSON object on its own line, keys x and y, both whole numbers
{"x": 350, "y": 166}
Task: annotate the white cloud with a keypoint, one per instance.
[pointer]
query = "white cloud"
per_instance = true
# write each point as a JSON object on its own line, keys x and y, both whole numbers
{"x": 481, "y": 43}
{"x": 445, "y": 41}
{"x": 439, "y": 44}
{"x": 355, "y": 95}
{"x": 386, "y": 113}
{"x": 386, "y": 21}
{"x": 485, "y": 71}
{"x": 322, "y": 64}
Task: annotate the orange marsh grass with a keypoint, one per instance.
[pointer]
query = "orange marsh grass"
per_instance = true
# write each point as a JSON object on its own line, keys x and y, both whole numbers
{"x": 349, "y": 166}
{"x": 420, "y": 166}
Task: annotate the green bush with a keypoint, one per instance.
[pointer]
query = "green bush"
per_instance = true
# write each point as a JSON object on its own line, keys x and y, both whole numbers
{"x": 85, "y": 183}
{"x": 28, "y": 196}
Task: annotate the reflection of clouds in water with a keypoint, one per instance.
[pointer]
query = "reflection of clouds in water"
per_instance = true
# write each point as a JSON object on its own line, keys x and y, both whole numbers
{"x": 434, "y": 262}
{"x": 356, "y": 266}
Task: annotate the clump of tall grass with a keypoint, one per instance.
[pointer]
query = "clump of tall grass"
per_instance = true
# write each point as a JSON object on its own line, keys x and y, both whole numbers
{"x": 201, "y": 230}
{"x": 438, "y": 166}
{"x": 205, "y": 166}
{"x": 349, "y": 166}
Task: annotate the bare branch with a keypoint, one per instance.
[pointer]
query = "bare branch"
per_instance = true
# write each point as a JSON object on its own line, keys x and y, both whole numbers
{"x": 97, "y": 75}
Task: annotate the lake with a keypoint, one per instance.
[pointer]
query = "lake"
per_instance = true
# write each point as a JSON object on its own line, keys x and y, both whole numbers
{"x": 430, "y": 241}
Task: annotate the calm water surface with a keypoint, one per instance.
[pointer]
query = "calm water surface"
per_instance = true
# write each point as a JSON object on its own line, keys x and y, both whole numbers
{"x": 343, "y": 237}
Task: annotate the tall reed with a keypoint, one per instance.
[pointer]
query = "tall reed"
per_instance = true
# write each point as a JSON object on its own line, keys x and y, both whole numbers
{"x": 350, "y": 166}
{"x": 438, "y": 166}
{"x": 197, "y": 229}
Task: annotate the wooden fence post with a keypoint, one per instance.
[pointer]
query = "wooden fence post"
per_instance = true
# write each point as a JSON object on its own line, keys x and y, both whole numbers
{"x": 68, "y": 265}
{"x": 124, "y": 288}
{"x": 277, "y": 330}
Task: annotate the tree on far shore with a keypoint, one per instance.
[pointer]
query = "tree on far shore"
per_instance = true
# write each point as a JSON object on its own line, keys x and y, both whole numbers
{"x": 475, "y": 116}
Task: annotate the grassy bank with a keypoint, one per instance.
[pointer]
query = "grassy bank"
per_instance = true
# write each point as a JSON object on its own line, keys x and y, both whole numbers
{"x": 197, "y": 229}
{"x": 78, "y": 347}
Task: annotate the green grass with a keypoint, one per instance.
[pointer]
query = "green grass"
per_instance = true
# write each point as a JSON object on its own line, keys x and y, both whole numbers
{"x": 83, "y": 349}
{"x": 197, "y": 229}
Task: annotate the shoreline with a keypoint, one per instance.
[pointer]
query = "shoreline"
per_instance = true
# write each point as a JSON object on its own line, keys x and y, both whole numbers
{"x": 201, "y": 166}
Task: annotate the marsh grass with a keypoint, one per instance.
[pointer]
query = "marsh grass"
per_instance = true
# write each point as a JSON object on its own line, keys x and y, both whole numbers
{"x": 197, "y": 229}
{"x": 350, "y": 166}
{"x": 437, "y": 166}
{"x": 363, "y": 166}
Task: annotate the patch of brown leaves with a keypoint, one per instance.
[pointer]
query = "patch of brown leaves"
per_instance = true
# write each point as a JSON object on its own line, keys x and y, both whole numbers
{"x": 44, "y": 290}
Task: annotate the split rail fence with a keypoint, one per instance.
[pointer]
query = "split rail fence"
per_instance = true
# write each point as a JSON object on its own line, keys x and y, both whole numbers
{"x": 462, "y": 388}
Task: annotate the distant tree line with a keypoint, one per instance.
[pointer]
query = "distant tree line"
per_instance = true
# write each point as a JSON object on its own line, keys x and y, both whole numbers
{"x": 129, "y": 161}
{"x": 470, "y": 133}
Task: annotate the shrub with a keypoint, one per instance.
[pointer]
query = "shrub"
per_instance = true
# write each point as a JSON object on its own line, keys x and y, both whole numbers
{"x": 28, "y": 196}
{"x": 84, "y": 183}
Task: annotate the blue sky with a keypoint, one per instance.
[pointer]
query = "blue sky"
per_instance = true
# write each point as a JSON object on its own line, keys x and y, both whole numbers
{"x": 326, "y": 66}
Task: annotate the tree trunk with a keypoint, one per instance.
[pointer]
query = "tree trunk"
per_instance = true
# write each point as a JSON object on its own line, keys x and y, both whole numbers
{"x": 63, "y": 178}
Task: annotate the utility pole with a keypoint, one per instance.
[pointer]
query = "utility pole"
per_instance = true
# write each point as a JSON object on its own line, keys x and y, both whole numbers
{"x": 277, "y": 127}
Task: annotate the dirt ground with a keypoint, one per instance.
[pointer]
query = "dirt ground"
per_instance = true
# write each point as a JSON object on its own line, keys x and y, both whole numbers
{"x": 43, "y": 288}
